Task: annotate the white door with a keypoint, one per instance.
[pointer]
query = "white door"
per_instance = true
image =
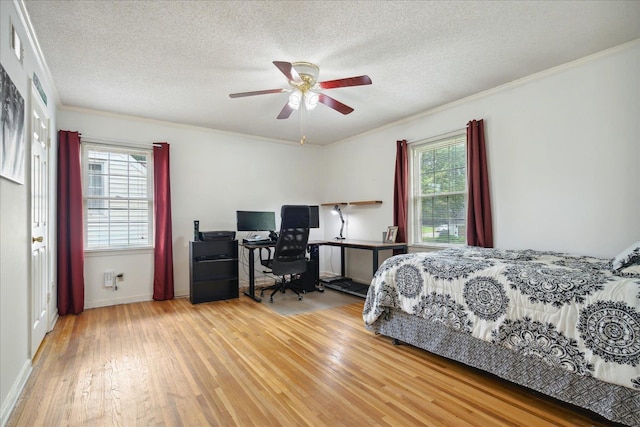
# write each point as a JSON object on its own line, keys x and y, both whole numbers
{"x": 39, "y": 222}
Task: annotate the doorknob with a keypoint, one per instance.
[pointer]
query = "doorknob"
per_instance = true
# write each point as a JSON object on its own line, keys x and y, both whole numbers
{"x": 37, "y": 239}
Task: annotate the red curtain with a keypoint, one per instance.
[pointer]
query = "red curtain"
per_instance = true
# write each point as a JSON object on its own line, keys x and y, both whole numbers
{"x": 163, "y": 251}
{"x": 479, "y": 229}
{"x": 401, "y": 191}
{"x": 70, "y": 239}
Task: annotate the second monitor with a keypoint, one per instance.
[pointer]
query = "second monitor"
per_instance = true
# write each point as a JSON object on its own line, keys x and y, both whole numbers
{"x": 314, "y": 217}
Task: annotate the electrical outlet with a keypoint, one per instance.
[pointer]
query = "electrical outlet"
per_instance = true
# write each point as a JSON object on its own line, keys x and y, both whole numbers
{"x": 108, "y": 278}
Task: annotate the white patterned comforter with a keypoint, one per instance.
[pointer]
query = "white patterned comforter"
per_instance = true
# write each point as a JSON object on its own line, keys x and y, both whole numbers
{"x": 569, "y": 311}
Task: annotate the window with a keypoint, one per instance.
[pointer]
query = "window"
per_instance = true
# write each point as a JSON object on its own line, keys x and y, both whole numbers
{"x": 439, "y": 190}
{"x": 118, "y": 205}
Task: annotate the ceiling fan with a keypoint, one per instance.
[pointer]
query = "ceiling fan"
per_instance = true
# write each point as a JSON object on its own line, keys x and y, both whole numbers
{"x": 305, "y": 88}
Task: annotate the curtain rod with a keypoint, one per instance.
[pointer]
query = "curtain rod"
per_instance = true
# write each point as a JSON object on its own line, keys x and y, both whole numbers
{"x": 117, "y": 142}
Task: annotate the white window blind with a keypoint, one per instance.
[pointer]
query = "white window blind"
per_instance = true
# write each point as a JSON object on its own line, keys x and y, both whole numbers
{"x": 118, "y": 202}
{"x": 439, "y": 190}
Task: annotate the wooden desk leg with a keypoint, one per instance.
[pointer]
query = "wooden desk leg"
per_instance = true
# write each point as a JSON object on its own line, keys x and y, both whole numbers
{"x": 252, "y": 278}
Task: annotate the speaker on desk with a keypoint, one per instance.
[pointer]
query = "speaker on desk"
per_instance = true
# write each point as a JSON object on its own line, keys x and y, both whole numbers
{"x": 196, "y": 230}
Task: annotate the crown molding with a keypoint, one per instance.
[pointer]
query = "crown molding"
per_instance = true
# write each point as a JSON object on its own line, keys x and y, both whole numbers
{"x": 41, "y": 62}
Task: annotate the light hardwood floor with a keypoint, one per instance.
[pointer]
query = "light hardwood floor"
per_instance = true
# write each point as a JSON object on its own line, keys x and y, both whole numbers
{"x": 237, "y": 363}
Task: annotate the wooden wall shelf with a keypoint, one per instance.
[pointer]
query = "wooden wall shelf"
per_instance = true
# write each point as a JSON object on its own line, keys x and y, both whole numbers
{"x": 333, "y": 204}
{"x": 367, "y": 202}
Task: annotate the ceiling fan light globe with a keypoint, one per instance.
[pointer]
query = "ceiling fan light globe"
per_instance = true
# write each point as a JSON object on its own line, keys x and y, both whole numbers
{"x": 310, "y": 100}
{"x": 295, "y": 99}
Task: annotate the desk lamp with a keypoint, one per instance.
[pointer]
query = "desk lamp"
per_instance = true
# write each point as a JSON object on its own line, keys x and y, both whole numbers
{"x": 336, "y": 211}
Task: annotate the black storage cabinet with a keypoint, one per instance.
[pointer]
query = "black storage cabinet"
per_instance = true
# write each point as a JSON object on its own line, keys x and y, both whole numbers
{"x": 213, "y": 270}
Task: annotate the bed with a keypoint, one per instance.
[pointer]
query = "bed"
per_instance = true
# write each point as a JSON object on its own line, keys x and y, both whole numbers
{"x": 564, "y": 325}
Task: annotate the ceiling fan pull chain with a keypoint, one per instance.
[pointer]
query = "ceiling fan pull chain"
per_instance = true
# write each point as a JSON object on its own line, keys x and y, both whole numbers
{"x": 303, "y": 115}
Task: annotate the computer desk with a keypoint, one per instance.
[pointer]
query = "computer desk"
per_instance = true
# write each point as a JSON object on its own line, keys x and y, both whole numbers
{"x": 251, "y": 247}
{"x": 373, "y": 246}
{"x": 368, "y": 245}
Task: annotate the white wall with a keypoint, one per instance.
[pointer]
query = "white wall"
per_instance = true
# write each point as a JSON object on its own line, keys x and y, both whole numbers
{"x": 213, "y": 174}
{"x": 15, "y": 231}
{"x": 359, "y": 170}
{"x": 563, "y": 153}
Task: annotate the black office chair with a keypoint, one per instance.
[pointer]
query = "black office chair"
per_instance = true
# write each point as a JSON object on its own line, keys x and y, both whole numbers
{"x": 289, "y": 253}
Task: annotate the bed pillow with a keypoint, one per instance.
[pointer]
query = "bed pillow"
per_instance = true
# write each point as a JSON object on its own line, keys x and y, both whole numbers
{"x": 629, "y": 271}
{"x": 629, "y": 256}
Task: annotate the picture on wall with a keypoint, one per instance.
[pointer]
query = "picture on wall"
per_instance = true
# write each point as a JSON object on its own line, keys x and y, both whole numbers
{"x": 12, "y": 140}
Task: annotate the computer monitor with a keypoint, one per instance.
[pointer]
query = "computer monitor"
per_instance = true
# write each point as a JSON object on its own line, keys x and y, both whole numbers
{"x": 256, "y": 221}
{"x": 314, "y": 217}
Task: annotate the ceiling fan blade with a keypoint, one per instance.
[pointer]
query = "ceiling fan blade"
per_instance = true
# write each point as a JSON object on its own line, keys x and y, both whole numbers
{"x": 287, "y": 69}
{"x": 257, "y": 92}
{"x": 286, "y": 112}
{"x": 349, "y": 81}
{"x": 332, "y": 103}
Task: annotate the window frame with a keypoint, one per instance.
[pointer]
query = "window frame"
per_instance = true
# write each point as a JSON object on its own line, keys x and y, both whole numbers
{"x": 415, "y": 198}
{"x": 88, "y": 146}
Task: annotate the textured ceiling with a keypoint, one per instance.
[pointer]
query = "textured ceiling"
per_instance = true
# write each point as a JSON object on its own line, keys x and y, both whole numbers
{"x": 178, "y": 61}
